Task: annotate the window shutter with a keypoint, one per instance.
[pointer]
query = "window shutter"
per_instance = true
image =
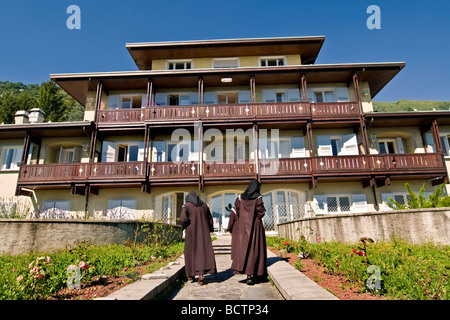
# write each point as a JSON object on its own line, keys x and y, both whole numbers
{"x": 113, "y": 101}
{"x": 320, "y": 204}
{"x": 429, "y": 142}
{"x": 244, "y": 96}
{"x": 209, "y": 97}
{"x": 350, "y": 146}
{"x": 400, "y": 145}
{"x": 158, "y": 147}
{"x": 108, "y": 151}
{"x": 324, "y": 146}
{"x": 141, "y": 152}
{"x": 77, "y": 156}
{"x": 293, "y": 95}
{"x": 63, "y": 205}
{"x": 194, "y": 98}
{"x": 298, "y": 147}
{"x": 161, "y": 99}
{"x": 269, "y": 95}
{"x": 385, "y": 199}
{"x": 310, "y": 95}
{"x": 342, "y": 94}
{"x": 129, "y": 204}
{"x": 359, "y": 203}
{"x": 185, "y": 100}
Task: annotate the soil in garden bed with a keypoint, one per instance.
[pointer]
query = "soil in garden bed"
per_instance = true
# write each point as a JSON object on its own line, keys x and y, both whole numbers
{"x": 340, "y": 286}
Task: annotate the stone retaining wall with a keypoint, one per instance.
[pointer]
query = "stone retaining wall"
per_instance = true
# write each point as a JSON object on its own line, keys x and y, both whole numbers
{"x": 22, "y": 235}
{"x": 415, "y": 226}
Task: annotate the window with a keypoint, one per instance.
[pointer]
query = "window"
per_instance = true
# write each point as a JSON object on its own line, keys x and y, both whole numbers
{"x": 324, "y": 95}
{"x": 226, "y": 63}
{"x": 177, "y": 152}
{"x": 281, "y": 206}
{"x": 272, "y": 61}
{"x": 11, "y": 157}
{"x": 338, "y": 203}
{"x": 179, "y": 64}
{"x": 387, "y": 146}
{"x": 55, "y": 209}
{"x": 69, "y": 154}
{"x": 122, "y": 209}
{"x": 220, "y": 206}
{"x": 127, "y": 152}
{"x": 336, "y": 145}
{"x": 445, "y": 142}
{"x": 130, "y": 101}
{"x": 227, "y": 97}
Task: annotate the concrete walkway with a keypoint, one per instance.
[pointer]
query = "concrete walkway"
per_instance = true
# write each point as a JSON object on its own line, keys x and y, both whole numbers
{"x": 224, "y": 285}
{"x": 287, "y": 282}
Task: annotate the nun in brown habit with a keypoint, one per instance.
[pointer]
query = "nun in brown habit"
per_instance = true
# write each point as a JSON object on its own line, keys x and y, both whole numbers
{"x": 198, "y": 251}
{"x": 248, "y": 243}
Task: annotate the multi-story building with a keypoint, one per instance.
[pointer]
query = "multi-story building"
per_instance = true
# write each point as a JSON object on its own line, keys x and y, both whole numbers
{"x": 211, "y": 115}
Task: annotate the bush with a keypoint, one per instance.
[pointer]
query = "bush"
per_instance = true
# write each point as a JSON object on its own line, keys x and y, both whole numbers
{"x": 408, "y": 271}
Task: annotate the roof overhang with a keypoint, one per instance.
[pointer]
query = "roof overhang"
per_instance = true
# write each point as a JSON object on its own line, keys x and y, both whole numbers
{"x": 144, "y": 52}
{"x": 46, "y": 130}
{"x": 376, "y": 74}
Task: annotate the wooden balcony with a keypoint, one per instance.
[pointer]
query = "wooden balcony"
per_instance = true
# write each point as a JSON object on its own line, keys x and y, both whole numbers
{"x": 281, "y": 110}
{"x": 423, "y": 165}
{"x": 324, "y": 110}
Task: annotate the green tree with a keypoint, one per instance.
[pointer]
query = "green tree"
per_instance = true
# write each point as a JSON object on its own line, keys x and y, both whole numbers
{"x": 434, "y": 200}
{"x": 8, "y": 106}
{"x": 51, "y": 102}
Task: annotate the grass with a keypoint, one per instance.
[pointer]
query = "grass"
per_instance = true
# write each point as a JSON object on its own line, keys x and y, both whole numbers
{"x": 408, "y": 271}
{"x": 35, "y": 276}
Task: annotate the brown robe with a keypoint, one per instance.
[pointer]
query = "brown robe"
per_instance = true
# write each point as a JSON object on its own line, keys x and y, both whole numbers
{"x": 198, "y": 251}
{"x": 248, "y": 243}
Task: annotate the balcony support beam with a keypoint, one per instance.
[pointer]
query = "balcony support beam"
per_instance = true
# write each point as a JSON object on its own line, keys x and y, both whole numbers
{"x": 252, "y": 89}
{"x": 304, "y": 88}
{"x": 149, "y": 93}
{"x": 200, "y": 90}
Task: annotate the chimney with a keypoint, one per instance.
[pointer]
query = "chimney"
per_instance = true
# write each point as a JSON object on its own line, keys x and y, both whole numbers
{"x": 36, "y": 115}
{"x": 21, "y": 117}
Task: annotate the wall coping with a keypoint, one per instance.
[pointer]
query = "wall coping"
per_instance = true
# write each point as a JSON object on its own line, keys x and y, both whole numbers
{"x": 361, "y": 214}
{"x": 84, "y": 221}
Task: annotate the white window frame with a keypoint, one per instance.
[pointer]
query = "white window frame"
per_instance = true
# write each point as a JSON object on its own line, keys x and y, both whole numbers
{"x": 50, "y": 209}
{"x": 185, "y": 63}
{"x": 120, "y": 211}
{"x": 127, "y": 145}
{"x": 385, "y": 141}
{"x": 322, "y": 91}
{"x": 131, "y": 97}
{"x": 337, "y": 196}
{"x": 215, "y": 60}
{"x": 263, "y": 61}
{"x": 178, "y": 146}
{"x": 15, "y": 159}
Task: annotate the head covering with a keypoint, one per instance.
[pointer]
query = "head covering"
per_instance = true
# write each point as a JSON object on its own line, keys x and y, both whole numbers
{"x": 193, "y": 198}
{"x": 253, "y": 190}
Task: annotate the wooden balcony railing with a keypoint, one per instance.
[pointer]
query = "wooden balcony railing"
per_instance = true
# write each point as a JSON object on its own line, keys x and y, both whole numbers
{"x": 234, "y": 169}
{"x": 283, "y": 110}
{"x": 334, "y": 110}
{"x": 336, "y": 166}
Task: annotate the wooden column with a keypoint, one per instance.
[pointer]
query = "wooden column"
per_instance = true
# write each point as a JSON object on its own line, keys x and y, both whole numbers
{"x": 364, "y": 137}
{"x": 198, "y": 135}
{"x": 436, "y": 136}
{"x": 304, "y": 87}
{"x": 98, "y": 102}
{"x": 149, "y": 92}
{"x": 200, "y": 90}
{"x": 252, "y": 89}
{"x": 256, "y": 148}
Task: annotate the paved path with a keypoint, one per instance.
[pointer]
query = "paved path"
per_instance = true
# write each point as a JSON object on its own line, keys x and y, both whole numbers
{"x": 224, "y": 285}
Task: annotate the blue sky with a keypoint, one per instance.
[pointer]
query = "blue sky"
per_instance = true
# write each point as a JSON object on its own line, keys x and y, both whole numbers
{"x": 36, "y": 41}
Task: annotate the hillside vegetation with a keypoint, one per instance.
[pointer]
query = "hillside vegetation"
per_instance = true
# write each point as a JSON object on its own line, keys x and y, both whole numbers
{"x": 55, "y": 102}
{"x": 410, "y": 105}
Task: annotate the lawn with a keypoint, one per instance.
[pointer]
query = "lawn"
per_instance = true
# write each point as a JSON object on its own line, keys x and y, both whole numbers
{"x": 406, "y": 271}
